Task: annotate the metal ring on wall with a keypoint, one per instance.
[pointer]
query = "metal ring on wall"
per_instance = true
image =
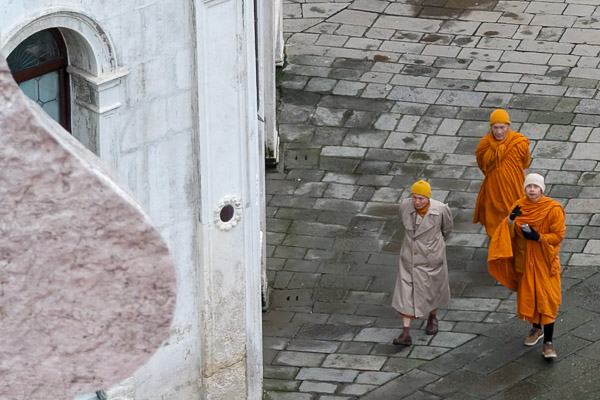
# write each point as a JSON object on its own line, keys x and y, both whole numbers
{"x": 228, "y": 213}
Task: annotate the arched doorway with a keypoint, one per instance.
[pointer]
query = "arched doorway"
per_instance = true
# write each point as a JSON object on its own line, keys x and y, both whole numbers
{"x": 39, "y": 66}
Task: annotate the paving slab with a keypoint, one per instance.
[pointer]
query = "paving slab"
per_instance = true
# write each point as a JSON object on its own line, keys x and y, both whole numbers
{"x": 359, "y": 362}
{"x": 427, "y": 352}
{"x": 327, "y": 374}
{"x": 269, "y": 395}
{"x": 319, "y": 387}
{"x": 375, "y": 378}
{"x": 405, "y": 384}
{"x": 452, "y": 382}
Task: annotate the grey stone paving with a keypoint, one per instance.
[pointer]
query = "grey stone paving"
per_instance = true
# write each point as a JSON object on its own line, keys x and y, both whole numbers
{"x": 376, "y": 94}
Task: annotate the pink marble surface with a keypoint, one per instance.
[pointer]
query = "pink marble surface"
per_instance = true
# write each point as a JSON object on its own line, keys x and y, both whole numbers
{"x": 87, "y": 288}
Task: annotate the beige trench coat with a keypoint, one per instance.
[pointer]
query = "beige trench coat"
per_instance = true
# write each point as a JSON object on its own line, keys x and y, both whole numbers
{"x": 422, "y": 283}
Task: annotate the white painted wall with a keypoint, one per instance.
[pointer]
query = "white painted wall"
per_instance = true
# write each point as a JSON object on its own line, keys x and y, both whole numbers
{"x": 229, "y": 168}
{"x": 175, "y": 116}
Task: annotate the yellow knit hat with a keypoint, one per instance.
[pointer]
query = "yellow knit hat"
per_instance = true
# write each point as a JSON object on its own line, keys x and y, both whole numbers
{"x": 499, "y": 116}
{"x": 421, "y": 187}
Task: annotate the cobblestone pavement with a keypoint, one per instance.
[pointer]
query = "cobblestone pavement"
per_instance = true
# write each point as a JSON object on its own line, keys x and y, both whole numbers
{"x": 375, "y": 95}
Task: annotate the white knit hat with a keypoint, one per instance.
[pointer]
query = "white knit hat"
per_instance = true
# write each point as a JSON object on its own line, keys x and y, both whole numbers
{"x": 535, "y": 179}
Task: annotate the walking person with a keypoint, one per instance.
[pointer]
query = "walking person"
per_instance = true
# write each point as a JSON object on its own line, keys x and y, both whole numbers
{"x": 422, "y": 283}
{"x": 523, "y": 256}
{"x": 502, "y": 155}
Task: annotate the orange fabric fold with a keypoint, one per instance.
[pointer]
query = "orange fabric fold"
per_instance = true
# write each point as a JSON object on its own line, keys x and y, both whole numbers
{"x": 500, "y": 258}
{"x": 503, "y": 164}
{"x": 538, "y": 288}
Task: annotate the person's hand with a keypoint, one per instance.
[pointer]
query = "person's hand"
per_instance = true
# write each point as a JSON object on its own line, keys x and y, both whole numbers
{"x": 533, "y": 235}
{"x": 514, "y": 214}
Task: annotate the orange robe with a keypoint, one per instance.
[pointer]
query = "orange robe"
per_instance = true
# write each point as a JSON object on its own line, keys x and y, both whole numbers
{"x": 538, "y": 287}
{"x": 503, "y": 164}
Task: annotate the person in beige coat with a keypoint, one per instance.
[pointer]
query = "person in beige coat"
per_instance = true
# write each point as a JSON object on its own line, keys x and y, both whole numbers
{"x": 422, "y": 283}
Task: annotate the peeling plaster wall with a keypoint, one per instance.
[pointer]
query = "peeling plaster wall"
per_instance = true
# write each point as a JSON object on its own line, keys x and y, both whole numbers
{"x": 146, "y": 119}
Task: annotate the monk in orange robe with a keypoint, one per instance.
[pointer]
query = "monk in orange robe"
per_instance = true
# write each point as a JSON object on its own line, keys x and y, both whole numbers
{"x": 523, "y": 256}
{"x": 502, "y": 155}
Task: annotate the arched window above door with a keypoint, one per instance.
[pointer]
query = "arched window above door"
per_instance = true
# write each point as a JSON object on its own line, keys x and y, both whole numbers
{"x": 39, "y": 66}
{"x": 90, "y": 79}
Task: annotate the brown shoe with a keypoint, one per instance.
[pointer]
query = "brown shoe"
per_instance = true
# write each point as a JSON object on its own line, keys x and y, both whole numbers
{"x": 548, "y": 350}
{"x": 432, "y": 325}
{"x": 535, "y": 334}
{"x": 404, "y": 339}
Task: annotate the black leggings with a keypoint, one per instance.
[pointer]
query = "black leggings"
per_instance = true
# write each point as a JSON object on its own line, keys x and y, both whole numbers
{"x": 548, "y": 331}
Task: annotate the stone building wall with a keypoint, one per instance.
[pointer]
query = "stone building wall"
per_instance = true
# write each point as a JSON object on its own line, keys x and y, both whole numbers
{"x": 164, "y": 92}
